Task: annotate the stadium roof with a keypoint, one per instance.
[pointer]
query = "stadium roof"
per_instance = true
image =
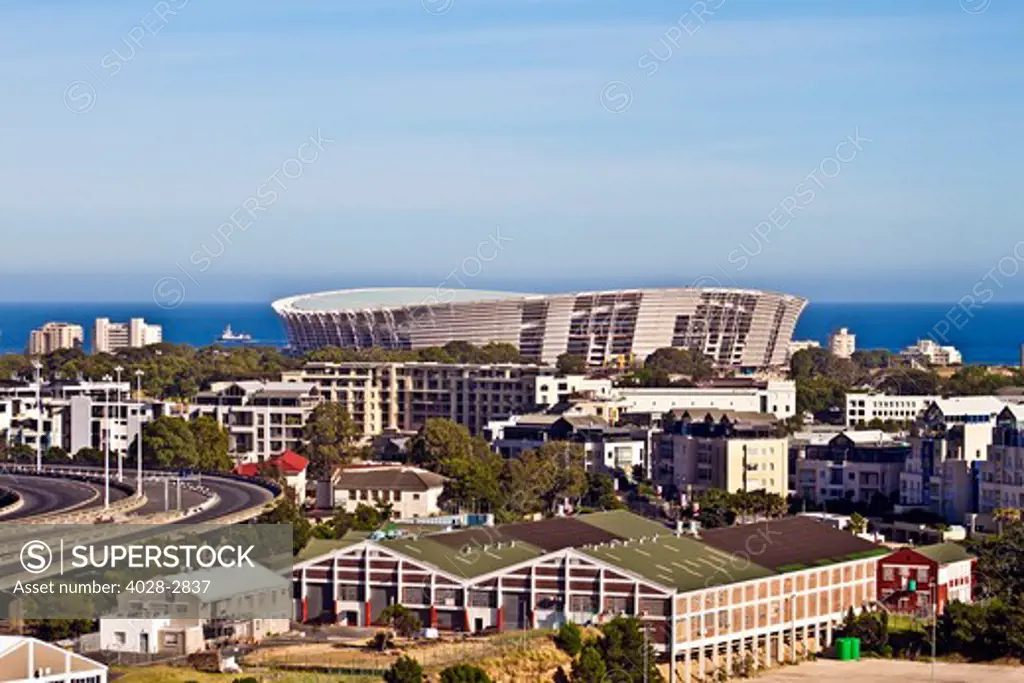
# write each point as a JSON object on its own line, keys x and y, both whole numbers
{"x": 403, "y": 297}
{"x": 389, "y": 297}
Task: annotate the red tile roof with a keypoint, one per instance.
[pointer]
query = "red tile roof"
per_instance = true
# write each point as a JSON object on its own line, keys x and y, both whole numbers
{"x": 288, "y": 462}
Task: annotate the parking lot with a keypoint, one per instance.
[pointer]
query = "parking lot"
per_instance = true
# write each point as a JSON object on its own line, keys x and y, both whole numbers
{"x": 829, "y": 671}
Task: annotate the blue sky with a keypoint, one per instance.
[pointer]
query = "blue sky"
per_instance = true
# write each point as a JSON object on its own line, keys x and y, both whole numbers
{"x": 130, "y": 134}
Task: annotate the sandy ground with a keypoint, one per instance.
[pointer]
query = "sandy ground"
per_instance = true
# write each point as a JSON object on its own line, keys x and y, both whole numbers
{"x": 829, "y": 671}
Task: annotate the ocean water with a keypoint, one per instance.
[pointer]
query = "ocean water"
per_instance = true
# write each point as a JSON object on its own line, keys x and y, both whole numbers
{"x": 991, "y": 335}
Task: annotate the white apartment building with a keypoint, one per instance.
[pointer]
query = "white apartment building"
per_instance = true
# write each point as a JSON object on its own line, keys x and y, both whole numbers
{"x": 263, "y": 419}
{"x": 803, "y": 345}
{"x": 933, "y": 354}
{"x": 76, "y": 415}
{"x": 842, "y": 343}
{"x": 54, "y": 336}
{"x": 403, "y": 396}
{"x": 862, "y": 408}
{"x": 607, "y": 448}
{"x": 776, "y": 398}
{"x": 853, "y": 465}
{"x": 1002, "y": 475}
{"x": 944, "y": 468}
{"x": 109, "y": 337}
{"x": 412, "y": 492}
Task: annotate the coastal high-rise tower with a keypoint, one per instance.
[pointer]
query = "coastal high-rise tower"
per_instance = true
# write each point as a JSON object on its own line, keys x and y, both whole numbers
{"x": 53, "y": 337}
{"x": 109, "y": 337}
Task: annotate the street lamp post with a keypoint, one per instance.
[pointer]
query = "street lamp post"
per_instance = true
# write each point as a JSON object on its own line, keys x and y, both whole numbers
{"x": 106, "y": 442}
{"x": 39, "y": 421}
{"x": 117, "y": 413}
{"x": 138, "y": 430}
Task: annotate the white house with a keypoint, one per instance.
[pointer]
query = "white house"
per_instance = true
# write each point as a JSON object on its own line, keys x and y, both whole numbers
{"x": 411, "y": 491}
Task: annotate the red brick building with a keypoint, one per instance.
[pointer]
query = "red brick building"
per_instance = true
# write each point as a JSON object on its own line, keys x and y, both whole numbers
{"x": 911, "y": 580}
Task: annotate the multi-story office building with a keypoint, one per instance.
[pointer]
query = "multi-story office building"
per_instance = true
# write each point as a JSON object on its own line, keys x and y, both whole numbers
{"x": 723, "y": 450}
{"x": 857, "y": 466}
{"x": 263, "y": 419}
{"x": 735, "y": 327}
{"x": 109, "y": 337}
{"x": 862, "y": 408}
{"x": 54, "y": 337}
{"x": 776, "y": 398}
{"x": 735, "y": 596}
{"x": 842, "y": 343}
{"x": 403, "y": 396}
{"x": 930, "y": 353}
{"x": 944, "y": 467}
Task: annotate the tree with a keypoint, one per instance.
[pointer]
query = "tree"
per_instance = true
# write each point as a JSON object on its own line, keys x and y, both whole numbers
{"x": 402, "y": 619}
{"x": 569, "y": 639}
{"x": 858, "y": 525}
{"x": 539, "y": 479}
{"x": 91, "y": 456}
{"x": 465, "y": 673}
{"x": 675, "y": 361}
{"x": 211, "y": 444}
{"x": 56, "y": 454}
{"x": 470, "y": 465}
{"x": 51, "y": 630}
{"x": 404, "y": 670}
{"x": 601, "y": 492}
{"x": 590, "y": 667}
{"x": 285, "y": 511}
{"x": 169, "y": 442}
{"x": 381, "y": 641}
{"x": 571, "y": 364}
{"x": 329, "y": 433}
{"x": 627, "y": 653}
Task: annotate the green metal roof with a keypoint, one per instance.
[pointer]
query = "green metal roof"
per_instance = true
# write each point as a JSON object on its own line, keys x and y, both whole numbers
{"x": 469, "y": 561}
{"x": 944, "y": 553}
{"x": 625, "y": 524}
{"x": 681, "y": 563}
{"x": 318, "y": 547}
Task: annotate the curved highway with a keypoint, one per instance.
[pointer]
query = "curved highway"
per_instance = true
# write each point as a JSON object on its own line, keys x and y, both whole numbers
{"x": 235, "y": 495}
{"x": 43, "y": 495}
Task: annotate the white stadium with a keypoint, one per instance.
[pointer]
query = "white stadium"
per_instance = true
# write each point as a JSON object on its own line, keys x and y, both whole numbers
{"x": 742, "y": 328}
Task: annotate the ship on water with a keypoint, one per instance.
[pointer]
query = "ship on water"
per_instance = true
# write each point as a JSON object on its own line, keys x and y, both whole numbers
{"x": 229, "y": 336}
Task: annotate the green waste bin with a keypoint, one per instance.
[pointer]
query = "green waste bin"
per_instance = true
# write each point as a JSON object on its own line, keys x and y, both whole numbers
{"x": 844, "y": 649}
{"x": 855, "y": 649}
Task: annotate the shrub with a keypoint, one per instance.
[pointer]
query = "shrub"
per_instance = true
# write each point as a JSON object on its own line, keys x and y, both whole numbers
{"x": 569, "y": 639}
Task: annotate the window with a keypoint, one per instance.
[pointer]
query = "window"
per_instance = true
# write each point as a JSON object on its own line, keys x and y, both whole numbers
{"x": 922, "y": 574}
{"x": 120, "y": 638}
{"x": 415, "y": 496}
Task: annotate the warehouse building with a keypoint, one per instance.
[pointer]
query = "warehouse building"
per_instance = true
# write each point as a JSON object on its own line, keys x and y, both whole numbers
{"x": 757, "y": 592}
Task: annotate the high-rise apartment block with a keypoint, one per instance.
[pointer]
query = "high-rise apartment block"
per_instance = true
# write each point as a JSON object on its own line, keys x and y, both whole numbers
{"x": 54, "y": 337}
{"x": 110, "y": 337}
